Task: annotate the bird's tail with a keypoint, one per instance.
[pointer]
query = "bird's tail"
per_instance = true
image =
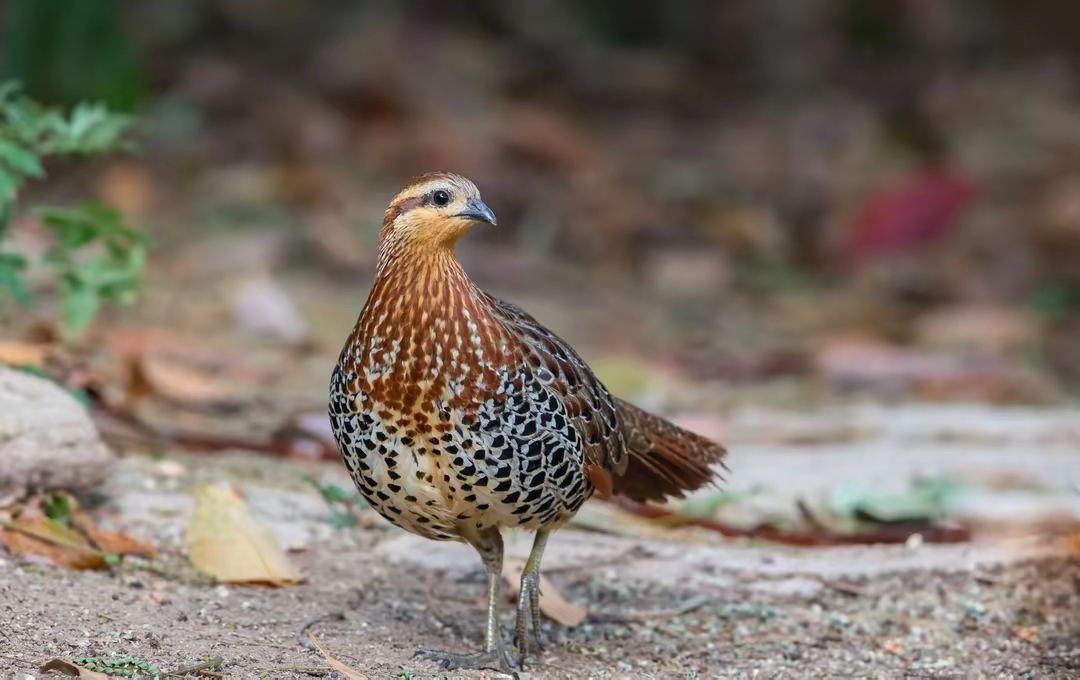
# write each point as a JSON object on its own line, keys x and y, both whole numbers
{"x": 666, "y": 461}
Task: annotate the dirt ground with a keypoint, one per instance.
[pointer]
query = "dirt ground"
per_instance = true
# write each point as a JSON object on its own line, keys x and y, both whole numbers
{"x": 664, "y": 604}
{"x": 1018, "y": 620}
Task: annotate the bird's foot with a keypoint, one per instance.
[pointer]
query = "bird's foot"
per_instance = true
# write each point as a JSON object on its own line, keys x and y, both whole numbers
{"x": 528, "y": 635}
{"x": 492, "y": 659}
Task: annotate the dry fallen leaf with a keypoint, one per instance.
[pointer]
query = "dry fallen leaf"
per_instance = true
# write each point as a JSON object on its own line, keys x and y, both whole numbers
{"x": 178, "y": 381}
{"x": 22, "y": 353}
{"x": 226, "y": 541}
{"x": 111, "y": 542}
{"x": 70, "y": 669}
{"x": 129, "y": 187}
{"x": 82, "y": 545}
{"x": 552, "y": 603}
{"x": 347, "y": 671}
{"x": 43, "y": 537}
{"x": 1071, "y": 543}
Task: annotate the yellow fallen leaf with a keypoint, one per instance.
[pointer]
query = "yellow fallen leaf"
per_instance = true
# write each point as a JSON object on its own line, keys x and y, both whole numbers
{"x": 347, "y": 671}
{"x": 552, "y": 603}
{"x": 226, "y": 541}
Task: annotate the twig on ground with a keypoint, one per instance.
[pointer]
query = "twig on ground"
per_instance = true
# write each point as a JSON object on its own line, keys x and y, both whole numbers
{"x": 687, "y": 606}
{"x": 106, "y": 414}
{"x": 849, "y": 589}
{"x": 314, "y": 671}
{"x": 888, "y": 535}
{"x": 301, "y": 634}
{"x": 199, "y": 668}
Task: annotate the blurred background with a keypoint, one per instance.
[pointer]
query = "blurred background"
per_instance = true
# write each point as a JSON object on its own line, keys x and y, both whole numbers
{"x": 879, "y": 193}
{"x": 840, "y": 236}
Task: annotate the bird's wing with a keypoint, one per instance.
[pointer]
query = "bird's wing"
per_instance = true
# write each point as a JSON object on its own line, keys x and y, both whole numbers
{"x": 648, "y": 457}
{"x": 589, "y": 406}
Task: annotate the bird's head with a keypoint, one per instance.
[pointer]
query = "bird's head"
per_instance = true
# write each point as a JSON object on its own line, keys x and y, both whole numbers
{"x": 432, "y": 211}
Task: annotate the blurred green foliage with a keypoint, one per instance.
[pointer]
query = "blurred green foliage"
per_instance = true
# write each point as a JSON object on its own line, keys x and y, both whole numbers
{"x": 87, "y": 281}
{"x": 68, "y": 51}
{"x": 344, "y": 505}
{"x": 94, "y": 255}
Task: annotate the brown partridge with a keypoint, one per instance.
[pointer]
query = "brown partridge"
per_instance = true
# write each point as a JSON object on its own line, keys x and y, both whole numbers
{"x": 458, "y": 414}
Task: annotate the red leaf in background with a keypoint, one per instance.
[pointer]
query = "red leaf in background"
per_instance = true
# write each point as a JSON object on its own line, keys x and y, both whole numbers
{"x": 913, "y": 215}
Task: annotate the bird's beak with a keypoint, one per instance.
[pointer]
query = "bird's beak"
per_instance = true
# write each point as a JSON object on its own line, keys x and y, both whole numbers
{"x": 476, "y": 210}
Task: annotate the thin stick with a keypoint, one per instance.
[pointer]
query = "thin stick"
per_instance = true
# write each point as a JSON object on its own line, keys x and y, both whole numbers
{"x": 301, "y": 635}
{"x": 819, "y": 538}
{"x": 197, "y": 668}
{"x": 688, "y": 605}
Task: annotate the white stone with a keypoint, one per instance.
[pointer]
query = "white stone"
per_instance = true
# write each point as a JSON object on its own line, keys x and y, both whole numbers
{"x": 47, "y": 439}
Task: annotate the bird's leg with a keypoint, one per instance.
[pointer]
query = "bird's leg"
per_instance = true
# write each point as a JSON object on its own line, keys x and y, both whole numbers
{"x": 528, "y": 608}
{"x": 494, "y": 655}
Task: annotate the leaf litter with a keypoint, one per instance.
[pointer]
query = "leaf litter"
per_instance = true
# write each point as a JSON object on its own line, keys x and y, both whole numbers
{"x": 57, "y": 529}
{"x": 226, "y": 541}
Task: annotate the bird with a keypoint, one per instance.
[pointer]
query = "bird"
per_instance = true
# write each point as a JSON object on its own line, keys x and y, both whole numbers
{"x": 459, "y": 415}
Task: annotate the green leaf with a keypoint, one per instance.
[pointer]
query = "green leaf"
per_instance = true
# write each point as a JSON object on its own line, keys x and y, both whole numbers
{"x": 8, "y": 90}
{"x": 9, "y": 184}
{"x": 20, "y": 158}
{"x": 706, "y": 505}
{"x": 10, "y": 280}
{"x": 88, "y": 278}
{"x": 80, "y": 305}
{"x": 91, "y": 128}
{"x": 57, "y": 507}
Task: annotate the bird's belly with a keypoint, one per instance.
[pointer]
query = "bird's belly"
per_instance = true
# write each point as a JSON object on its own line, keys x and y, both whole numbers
{"x": 493, "y": 487}
{"x": 393, "y": 477}
{"x": 445, "y": 484}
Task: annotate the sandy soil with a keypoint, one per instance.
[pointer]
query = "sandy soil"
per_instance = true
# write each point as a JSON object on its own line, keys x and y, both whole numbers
{"x": 1019, "y": 620}
{"x": 682, "y": 604}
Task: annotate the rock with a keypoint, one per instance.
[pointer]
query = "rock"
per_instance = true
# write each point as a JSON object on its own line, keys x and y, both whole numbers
{"x": 47, "y": 440}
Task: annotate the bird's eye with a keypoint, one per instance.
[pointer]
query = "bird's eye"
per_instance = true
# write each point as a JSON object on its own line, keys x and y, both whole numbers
{"x": 440, "y": 197}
